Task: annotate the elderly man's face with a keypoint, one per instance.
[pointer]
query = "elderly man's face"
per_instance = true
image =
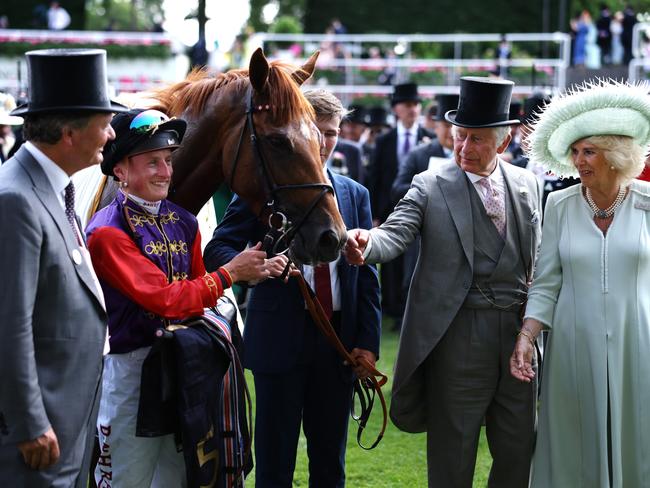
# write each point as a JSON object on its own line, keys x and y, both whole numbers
{"x": 475, "y": 150}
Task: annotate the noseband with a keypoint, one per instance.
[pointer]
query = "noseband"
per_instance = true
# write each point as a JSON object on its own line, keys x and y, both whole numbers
{"x": 281, "y": 229}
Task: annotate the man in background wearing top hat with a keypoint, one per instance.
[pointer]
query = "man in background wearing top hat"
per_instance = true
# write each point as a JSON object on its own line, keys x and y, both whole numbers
{"x": 479, "y": 221}
{"x": 354, "y": 124}
{"x": 420, "y": 159}
{"x": 347, "y": 157}
{"x": 391, "y": 151}
{"x": 52, "y": 314}
{"x": 377, "y": 123}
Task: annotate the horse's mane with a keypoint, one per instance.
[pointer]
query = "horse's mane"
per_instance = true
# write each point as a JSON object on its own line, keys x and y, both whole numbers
{"x": 190, "y": 96}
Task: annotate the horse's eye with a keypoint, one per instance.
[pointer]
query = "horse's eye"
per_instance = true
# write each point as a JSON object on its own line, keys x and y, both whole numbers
{"x": 279, "y": 142}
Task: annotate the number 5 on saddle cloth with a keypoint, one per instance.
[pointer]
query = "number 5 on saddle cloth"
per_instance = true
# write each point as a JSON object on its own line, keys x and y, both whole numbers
{"x": 193, "y": 386}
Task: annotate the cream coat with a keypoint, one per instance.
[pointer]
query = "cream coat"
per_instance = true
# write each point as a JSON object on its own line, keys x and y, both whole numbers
{"x": 594, "y": 293}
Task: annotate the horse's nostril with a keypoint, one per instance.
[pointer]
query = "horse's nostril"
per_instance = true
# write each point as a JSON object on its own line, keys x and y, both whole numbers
{"x": 328, "y": 241}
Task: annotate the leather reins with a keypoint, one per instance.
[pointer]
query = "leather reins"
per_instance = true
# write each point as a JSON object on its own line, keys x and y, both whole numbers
{"x": 366, "y": 389}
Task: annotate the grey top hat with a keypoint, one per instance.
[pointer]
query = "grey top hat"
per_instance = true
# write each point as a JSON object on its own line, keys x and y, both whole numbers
{"x": 484, "y": 102}
{"x": 67, "y": 80}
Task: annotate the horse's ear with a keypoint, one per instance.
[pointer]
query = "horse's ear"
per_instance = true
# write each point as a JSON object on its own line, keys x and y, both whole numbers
{"x": 306, "y": 70}
{"x": 258, "y": 70}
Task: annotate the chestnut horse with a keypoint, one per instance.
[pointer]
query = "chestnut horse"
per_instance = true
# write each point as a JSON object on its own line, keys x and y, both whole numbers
{"x": 255, "y": 130}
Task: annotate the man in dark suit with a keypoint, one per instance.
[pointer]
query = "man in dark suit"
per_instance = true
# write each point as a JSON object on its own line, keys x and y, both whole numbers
{"x": 393, "y": 147}
{"x": 391, "y": 151}
{"x": 442, "y": 147}
{"x": 347, "y": 160}
{"x": 52, "y": 314}
{"x": 377, "y": 123}
{"x": 354, "y": 125}
{"x": 298, "y": 376}
{"x": 420, "y": 159}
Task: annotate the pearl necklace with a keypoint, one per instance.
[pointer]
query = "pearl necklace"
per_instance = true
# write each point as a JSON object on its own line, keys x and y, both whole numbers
{"x": 609, "y": 211}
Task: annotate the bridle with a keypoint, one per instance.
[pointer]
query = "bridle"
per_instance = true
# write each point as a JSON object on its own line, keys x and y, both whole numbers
{"x": 281, "y": 232}
{"x": 281, "y": 229}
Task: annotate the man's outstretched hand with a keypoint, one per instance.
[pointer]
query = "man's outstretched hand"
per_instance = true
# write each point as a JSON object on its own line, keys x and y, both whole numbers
{"x": 356, "y": 245}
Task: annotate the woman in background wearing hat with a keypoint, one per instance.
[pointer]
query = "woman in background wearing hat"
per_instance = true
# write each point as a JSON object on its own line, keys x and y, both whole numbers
{"x": 591, "y": 289}
{"x": 147, "y": 255}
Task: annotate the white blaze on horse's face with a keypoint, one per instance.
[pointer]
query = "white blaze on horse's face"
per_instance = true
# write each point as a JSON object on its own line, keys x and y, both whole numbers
{"x": 305, "y": 129}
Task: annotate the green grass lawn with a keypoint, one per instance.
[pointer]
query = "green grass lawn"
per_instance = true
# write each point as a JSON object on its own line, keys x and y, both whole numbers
{"x": 400, "y": 459}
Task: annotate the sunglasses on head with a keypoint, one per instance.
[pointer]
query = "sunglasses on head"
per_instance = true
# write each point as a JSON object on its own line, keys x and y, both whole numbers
{"x": 147, "y": 121}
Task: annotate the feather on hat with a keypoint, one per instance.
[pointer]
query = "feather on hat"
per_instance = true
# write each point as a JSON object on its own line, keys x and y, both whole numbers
{"x": 598, "y": 108}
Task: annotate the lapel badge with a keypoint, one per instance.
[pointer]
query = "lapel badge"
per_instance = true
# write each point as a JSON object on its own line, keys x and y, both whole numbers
{"x": 76, "y": 257}
{"x": 534, "y": 219}
{"x": 523, "y": 190}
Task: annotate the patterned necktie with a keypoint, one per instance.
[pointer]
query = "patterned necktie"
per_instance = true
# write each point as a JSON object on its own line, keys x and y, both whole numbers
{"x": 407, "y": 143}
{"x": 323, "y": 287}
{"x": 495, "y": 206}
{"x": 69, "y": 208}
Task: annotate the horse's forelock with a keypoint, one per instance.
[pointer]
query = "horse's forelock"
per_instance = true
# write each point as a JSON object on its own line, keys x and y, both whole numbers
{"x": 285, "y": 97}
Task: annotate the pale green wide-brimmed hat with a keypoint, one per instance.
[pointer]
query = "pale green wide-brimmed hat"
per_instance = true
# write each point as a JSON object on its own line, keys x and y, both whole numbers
{"x": 597, "y": 108}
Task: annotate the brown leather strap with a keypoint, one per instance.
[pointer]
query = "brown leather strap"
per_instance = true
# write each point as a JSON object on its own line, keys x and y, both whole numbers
{"x": 365, "y": 389}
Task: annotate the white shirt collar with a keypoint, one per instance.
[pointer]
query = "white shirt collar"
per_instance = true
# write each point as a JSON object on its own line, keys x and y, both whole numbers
{"x": 58, "y": 178}
{"x": 496, "y": 176}
{"x": 401, "y": 130}
{"x": 151, "y": 207}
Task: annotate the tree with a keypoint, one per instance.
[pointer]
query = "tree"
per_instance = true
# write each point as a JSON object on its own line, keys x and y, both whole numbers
{"x": 286, "y": 8}
{"x": 425, "y": 16}
{"x": 124, "y": 15}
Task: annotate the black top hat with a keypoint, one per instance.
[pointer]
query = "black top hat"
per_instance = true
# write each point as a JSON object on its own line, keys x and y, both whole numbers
{"x": 484, "y": 102}
{"x": 377, "y": 116}
{"x": 405, "y": 92}
{"x": 515, "y": 111}
{"x": 136, "y": 135}
{"x": 358, "y": 114}
{"x": 445, "y": 103}
{"x": 535, "y": 104}
{"x": 67, "y": 80}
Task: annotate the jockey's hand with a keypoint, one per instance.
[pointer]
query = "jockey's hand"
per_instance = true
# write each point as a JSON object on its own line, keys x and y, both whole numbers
{"x": 249, "y": 265}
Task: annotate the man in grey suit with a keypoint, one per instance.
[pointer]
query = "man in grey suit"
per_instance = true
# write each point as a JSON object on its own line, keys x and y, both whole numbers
{"x": 52, "y": 316}
{"x": 478, "y": 219}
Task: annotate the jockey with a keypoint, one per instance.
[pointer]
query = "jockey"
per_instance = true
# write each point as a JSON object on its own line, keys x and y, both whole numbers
{"x": 147, "y": 255}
